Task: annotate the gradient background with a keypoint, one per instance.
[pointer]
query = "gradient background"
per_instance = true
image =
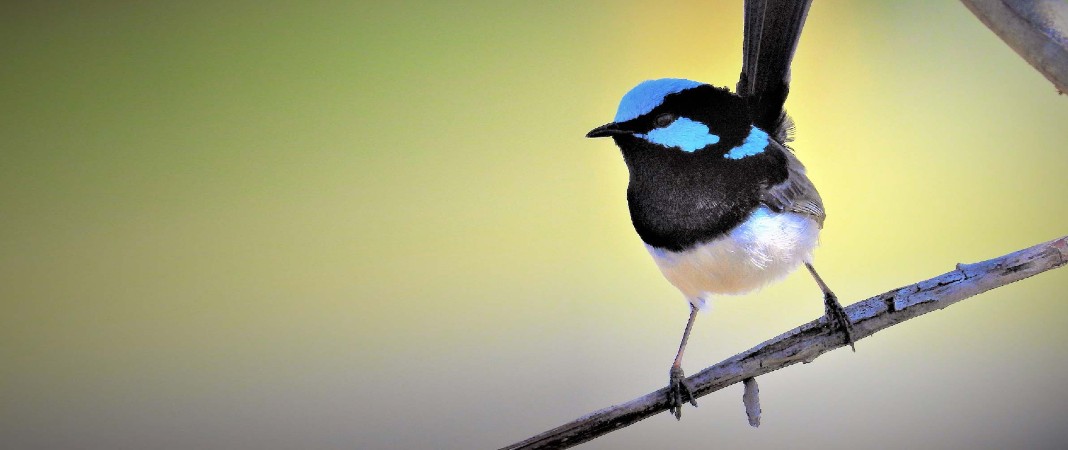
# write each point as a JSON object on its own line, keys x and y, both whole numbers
{"x": 248, "y": 225}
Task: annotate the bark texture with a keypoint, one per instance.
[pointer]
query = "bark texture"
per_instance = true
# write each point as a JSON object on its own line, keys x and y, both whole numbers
{"x": 805, "y": 343}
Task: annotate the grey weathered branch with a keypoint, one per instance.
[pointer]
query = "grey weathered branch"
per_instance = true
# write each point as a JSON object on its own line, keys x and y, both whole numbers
{"x": 805, "y": 343}
{"x": 1036, "y": 29}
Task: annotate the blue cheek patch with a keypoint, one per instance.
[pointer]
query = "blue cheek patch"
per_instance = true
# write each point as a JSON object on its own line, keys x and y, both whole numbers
{"x": 683, "y": 133}
{"x": 754, "y": 144}
{"x": 647, "y": 95}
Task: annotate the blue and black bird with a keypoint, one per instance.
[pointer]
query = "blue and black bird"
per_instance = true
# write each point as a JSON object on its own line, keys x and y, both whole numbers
{"x": 723, "y": 206}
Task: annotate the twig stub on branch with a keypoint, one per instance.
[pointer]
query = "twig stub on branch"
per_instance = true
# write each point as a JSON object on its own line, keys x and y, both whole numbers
{"x": 805, "y": 343}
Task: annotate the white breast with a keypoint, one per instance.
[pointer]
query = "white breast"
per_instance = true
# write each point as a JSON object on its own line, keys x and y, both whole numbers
{"x": 764, "y": 248}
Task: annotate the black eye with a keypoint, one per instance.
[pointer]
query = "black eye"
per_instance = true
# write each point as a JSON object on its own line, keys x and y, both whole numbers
{"x": 664, "y": 120}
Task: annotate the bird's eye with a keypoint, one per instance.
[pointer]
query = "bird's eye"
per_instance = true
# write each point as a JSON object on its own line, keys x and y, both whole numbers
{"x": 664, "y": 120}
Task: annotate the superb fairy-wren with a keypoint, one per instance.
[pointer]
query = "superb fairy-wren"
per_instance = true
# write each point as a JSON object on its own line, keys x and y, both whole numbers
{"x": 722, "y": 204}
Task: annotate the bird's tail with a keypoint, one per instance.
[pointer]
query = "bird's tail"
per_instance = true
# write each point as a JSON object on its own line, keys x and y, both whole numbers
{"x": 772, "y": 29}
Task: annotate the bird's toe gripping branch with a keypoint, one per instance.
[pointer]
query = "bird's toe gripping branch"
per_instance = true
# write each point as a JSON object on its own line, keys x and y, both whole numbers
{"x": 838, "y": 318}
{"x": 679, "y": 392}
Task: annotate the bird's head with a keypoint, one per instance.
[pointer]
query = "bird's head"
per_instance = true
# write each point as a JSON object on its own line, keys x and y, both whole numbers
{"x": 683, "y": 117}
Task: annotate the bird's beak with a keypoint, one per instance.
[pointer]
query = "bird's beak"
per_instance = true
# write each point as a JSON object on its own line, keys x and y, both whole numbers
{"x": 606, "y": 130}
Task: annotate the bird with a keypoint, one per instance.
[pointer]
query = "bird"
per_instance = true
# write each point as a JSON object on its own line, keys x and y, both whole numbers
{"x": 721, "y": 203}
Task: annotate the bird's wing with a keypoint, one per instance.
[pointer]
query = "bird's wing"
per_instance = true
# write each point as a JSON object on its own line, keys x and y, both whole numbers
{"x": 772, "y": 28}
{"x": 796, "y": 193}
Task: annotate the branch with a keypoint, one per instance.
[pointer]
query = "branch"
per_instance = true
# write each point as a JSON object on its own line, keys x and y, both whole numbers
{"x": 805, "y": 343}
{"x": 1036, "y": 29}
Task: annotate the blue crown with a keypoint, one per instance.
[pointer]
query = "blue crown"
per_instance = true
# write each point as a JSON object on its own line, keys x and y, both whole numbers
{"x": 647, "y": 95}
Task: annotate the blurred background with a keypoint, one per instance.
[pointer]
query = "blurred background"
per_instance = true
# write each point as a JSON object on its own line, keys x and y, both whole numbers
{"x": 248, "y": 225}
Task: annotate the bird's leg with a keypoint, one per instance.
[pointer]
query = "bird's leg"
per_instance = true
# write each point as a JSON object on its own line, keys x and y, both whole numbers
{"x": 835, "y": 313}
{"x": 678, "y": 390}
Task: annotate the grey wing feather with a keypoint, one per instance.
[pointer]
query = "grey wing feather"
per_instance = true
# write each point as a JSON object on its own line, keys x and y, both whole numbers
{"x": 795, "y": 194}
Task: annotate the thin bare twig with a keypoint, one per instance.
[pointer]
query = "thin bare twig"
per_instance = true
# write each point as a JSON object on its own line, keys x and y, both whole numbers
{"x": 1036, "y": 29}
{"x": 805, "y": 343}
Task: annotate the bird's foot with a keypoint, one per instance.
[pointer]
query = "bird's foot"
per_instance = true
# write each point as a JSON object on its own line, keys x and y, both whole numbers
{"x": 678, "y": 392}
{"x": 839, "y": 319}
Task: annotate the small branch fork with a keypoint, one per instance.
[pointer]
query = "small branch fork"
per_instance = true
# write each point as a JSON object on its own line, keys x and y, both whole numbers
{"x": 805, "y": 343}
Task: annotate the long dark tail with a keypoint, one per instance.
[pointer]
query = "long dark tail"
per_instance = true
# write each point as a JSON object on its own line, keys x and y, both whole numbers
{"x": 772, "y": 29}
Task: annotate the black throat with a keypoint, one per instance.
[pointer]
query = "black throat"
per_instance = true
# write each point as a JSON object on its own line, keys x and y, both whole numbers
{"x": 680, "y": 199}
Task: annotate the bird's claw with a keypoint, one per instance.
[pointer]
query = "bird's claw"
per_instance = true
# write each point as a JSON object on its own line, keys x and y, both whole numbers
{"x": 679, "y": 392}
{"x": 839, "y": 319}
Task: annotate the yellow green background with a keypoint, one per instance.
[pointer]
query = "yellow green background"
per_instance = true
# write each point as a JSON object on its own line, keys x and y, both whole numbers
{"x": 248, "y": 225}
